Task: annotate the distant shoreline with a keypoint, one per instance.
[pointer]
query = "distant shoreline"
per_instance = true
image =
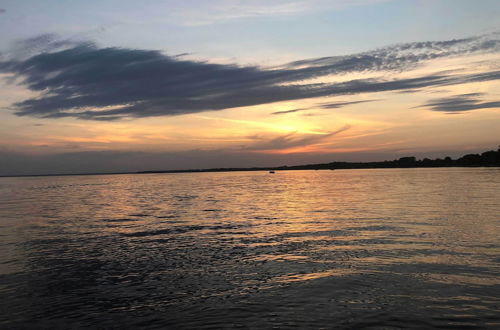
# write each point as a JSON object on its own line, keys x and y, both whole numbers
{"x": 227, "y": 170}
{"x": 486, "y": 159}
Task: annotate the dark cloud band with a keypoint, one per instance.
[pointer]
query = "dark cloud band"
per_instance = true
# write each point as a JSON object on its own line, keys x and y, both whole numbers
{"x": 459, "y": 103}
{"x": 84, "y": 81}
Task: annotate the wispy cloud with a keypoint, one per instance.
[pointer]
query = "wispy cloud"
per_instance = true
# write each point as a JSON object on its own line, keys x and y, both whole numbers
{"x": 459, "y": 103}
{"x": 214, "y": 11}
{"x": 291, "y": 140}
{"x": 84, "y": 81}
{"x": 399, "y": 56}
{"x": 282, "y": 112}
{"x": 335, "y": 105}
{"x": 44, "y": 43}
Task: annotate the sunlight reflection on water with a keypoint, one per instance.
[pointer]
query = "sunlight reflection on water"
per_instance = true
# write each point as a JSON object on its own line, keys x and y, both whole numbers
{"x": 407, "y": 248}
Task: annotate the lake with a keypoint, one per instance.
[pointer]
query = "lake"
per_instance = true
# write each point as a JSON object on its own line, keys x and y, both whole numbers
{"x": 343, "y": 249}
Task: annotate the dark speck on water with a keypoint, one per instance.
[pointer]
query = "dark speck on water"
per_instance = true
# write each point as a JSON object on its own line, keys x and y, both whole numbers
{"x": 347, "y": 249}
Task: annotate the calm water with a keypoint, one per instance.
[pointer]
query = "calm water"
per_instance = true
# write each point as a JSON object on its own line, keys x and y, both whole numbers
{"x": 345, "y": 249}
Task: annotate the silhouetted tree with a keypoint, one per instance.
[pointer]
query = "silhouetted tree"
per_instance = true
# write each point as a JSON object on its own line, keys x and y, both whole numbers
{"x": 470, "y": 160}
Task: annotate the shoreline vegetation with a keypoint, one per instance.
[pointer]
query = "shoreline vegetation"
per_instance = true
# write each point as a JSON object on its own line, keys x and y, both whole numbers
{"x": 486, "y": 159}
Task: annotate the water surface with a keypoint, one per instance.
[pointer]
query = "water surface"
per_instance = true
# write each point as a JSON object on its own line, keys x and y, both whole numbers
{"x": 344, "y": 249}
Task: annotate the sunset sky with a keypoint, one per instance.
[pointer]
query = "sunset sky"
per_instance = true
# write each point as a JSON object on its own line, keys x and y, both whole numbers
{"x": 122, "y": 85}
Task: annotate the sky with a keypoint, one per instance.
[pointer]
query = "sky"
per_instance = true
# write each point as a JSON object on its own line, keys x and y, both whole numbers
{"x": 122, "y": 85}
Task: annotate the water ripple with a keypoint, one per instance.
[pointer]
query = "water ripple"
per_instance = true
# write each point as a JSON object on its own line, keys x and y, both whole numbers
{"x": 308, "y": 249}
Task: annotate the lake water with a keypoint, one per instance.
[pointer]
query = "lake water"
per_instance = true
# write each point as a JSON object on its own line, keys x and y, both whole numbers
{"x": 344, "y": 249}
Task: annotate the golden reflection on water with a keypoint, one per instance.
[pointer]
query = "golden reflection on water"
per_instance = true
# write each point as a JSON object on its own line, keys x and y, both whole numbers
{"x": 200, "y": 236}
{"x": 290, "y": 278}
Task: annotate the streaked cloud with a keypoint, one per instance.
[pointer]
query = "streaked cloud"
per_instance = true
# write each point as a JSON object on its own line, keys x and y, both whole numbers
{"x": 399, "y": 56}
{"x": 336, "y": 105}
{"x": 333, "y": 105}
{"x": 44, "y": 43}
{"x": 81, "y": 80}
{"x": 215, "y": 11}
{"x": 459, "y": 103}
{"x": 291, "y": 140}
{"x": 282, "y": 112}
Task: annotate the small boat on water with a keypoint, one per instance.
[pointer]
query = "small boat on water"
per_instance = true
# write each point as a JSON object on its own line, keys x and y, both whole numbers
{"x": 271, "y": 171}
